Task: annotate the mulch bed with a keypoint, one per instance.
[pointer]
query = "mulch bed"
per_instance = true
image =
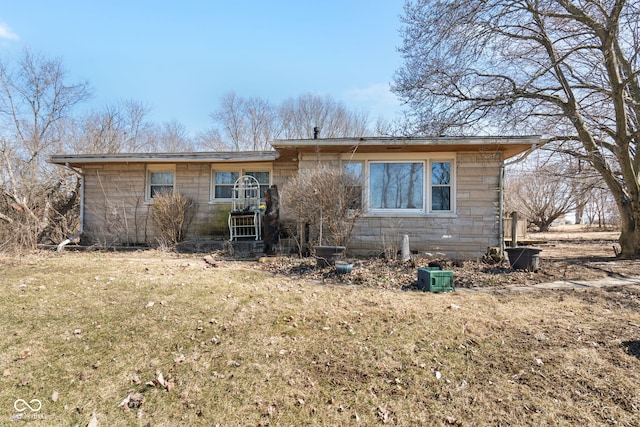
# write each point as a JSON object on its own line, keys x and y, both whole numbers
{"x": 558, "y": 261}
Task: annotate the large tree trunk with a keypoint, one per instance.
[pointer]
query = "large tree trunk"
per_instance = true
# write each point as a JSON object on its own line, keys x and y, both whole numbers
{"x": 629, "y": 231}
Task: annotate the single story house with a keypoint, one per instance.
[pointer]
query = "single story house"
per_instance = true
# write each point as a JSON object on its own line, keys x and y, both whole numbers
{"x": 445, "y": 193}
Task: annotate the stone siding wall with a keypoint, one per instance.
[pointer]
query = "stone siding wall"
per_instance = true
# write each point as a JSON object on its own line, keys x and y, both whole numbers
{"x": 114, "y": 209}
{"x": 464, "y": 234}
{"x": 116, "y": 213}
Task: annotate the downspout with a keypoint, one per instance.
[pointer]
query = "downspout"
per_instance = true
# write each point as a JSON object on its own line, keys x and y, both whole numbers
{"x": 64, "y": 243}
{"x": 501, "y": 210}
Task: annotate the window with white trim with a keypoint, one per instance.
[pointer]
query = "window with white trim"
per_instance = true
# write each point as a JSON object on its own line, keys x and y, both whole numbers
{"x": 355, "y": 170}
{"x": 160, "y": 179}
{"x": 222, "y": 181}
{"x": 425, "y": 186}
{"x": 263, "y": 179}
{"x": 440, "y": 186}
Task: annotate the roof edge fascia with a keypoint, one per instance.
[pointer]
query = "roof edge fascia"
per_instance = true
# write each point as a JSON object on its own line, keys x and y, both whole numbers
{"x": 208, "y": 157}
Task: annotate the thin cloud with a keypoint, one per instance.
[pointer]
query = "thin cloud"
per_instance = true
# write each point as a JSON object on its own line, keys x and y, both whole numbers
{"x": 7, "y": 33}
{"x": 377, "y": 98}
{"x": 375, "y": 92}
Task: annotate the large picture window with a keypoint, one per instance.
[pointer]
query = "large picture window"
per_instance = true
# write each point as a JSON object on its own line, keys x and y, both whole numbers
{"x": 403, "y": 185}
{"x": 397, "y": 185}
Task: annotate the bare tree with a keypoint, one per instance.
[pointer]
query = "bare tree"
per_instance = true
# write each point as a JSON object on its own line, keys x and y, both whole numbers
{"x": 247, "y": 124}
{"x": 35, "y": 101}
{"x": 262, "y": 124}
{"x": 210, "y": 140}
{"x": 250, "y": 123}
{"x": 584, "y": 180}
{"x": 97, "y": 132}
{"x": 170, "y": 137}
{"x": 136, "y": 126}
{"x": 540, "y": 194}
{"x": 600, "y": 208}
{"x": 569, "y": 186}
{"x": 566, "y": 68}
{"x": 298, "y": 117}
{"x": 231, "y": 118}
{"x": 117, "y": 128}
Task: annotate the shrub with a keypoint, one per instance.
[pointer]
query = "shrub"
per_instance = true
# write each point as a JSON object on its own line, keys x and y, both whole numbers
{"x": 169, "y": 216}
{"x": 328, "y": 200}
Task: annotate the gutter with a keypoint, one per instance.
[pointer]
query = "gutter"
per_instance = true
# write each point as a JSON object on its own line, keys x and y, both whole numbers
{"x": 197, "y": 157}
{"x": 65, "y": 242}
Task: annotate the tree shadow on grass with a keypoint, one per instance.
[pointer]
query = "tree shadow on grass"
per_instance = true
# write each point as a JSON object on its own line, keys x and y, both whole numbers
{"x": 632, "y": 347}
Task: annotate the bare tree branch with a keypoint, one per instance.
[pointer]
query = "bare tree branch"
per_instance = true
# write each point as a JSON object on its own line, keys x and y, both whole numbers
{"x": 564, "y": 68}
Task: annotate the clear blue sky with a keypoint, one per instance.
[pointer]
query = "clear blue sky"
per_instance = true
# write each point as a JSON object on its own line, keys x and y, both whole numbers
{"x": 179, "y": 58}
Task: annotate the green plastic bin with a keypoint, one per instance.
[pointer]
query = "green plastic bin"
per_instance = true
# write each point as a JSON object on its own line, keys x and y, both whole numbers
{"x": 432, "y": 279}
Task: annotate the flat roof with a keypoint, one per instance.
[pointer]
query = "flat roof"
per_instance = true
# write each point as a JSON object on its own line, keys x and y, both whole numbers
{"x": 509, "y": 145}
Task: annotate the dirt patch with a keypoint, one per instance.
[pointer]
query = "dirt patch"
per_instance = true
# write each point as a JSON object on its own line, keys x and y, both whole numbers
{"x": 567, "y": 254}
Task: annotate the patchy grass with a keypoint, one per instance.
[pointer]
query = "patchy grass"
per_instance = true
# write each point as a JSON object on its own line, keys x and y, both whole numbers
{"x": 239, "y": 346}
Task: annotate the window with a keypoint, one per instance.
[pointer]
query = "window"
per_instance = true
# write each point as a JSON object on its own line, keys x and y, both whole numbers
{"x": 263, "y": 180}
{"x": 159, "y": 180}
{"x": 398, "y": 185}
{"x": 224, "y": 180}
{"x": 440, "y": 186}
{"x": 424, "y": 186}
{"x": 354, "y": 170}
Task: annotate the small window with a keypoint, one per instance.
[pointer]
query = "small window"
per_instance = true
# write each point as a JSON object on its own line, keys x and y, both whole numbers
{"x": 263, "y": 180}
{"x": 223, "y": 181}
{"x": 160, "y": 180}
{"x": 223, "y": 185}
{"x": 354, "y": 170}
{"x": 441, "y": 186}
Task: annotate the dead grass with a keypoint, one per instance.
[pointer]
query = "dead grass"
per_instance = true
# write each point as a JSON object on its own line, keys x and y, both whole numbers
{"x": 237, "y": 345}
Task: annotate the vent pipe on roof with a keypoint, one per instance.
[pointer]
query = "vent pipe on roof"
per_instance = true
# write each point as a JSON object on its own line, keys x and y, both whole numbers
{"x": 316, "y": 132}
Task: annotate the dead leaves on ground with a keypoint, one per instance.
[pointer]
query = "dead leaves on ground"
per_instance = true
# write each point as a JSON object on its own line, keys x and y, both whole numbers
{"x": 159, "y": 381}
{"x": 24, "y": 354}
{"x": 395, "y": 274}
{"x": 211, "y": 261}
{"x": 135, "y": 400}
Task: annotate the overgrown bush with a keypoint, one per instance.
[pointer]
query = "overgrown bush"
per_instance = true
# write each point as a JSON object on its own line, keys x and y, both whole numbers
{"x": 170, "y": 215}
{"x": 327, "y": 199}
{"x": 47, "y": 216}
